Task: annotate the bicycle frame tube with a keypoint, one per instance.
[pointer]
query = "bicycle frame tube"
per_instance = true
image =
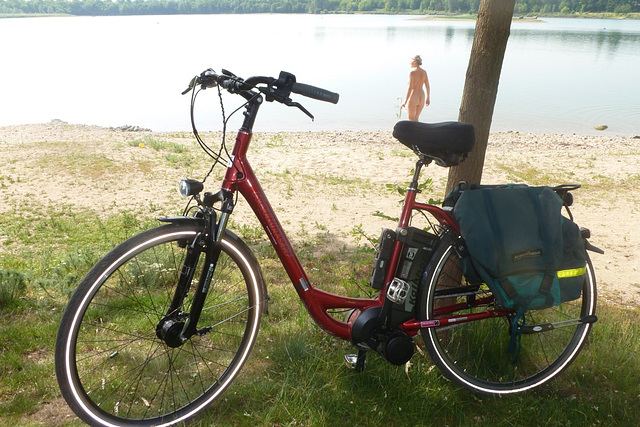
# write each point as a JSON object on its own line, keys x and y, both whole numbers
{"x": 408, "y": 207}
{"x": 240, "y": 177}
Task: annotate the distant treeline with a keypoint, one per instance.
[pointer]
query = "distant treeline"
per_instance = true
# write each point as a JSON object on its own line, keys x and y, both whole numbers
{"x": 171, "y": 7}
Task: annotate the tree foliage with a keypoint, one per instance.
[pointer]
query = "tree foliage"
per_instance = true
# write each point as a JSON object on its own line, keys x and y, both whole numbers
{"x": 172, "y": 7}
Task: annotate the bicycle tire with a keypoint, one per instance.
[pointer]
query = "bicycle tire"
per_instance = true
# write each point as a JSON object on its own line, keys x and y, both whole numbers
{"x": 113, "y": 369}
{"x": 474, "y": 354}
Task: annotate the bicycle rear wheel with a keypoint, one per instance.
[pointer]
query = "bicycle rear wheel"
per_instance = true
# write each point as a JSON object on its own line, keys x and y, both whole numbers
{"x": 111, "y": 365}
{"x": 474, "y": 354}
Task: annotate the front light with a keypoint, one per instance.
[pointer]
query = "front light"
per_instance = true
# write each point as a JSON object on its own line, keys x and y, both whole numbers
{"x": 190, "y": 187}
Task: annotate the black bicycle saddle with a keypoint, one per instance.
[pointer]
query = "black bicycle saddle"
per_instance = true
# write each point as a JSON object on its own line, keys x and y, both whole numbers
{"x": 447, "y": 143}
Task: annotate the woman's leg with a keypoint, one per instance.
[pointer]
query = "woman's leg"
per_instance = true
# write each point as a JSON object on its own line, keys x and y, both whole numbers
{"x": 415, "y": 105}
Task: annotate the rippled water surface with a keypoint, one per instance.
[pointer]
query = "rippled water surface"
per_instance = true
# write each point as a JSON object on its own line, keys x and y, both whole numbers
{"x": 559, "y": 75}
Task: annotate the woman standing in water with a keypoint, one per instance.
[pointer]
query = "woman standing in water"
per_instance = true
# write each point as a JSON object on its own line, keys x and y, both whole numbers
{"x": 415, "y": 100}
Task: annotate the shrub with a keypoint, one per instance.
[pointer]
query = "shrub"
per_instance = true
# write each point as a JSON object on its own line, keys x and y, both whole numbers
{"x": 13, "y": 285}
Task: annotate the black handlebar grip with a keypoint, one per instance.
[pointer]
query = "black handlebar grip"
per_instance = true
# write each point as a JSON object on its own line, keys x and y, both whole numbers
{"x": 315, "y": 93}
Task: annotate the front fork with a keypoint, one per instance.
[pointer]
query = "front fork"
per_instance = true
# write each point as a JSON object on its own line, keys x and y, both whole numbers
{"x": 171, "y": 328}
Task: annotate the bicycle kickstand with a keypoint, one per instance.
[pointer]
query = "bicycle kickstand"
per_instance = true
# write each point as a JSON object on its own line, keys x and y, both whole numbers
{"x": 356, "y": 361}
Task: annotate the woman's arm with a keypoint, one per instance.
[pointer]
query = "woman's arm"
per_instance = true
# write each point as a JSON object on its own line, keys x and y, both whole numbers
{"x": 410, "y": 88}
{"x": 426, "y": 85}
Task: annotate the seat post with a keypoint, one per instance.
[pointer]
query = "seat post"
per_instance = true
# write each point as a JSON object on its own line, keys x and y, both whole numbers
{"x": 413, "y": 185}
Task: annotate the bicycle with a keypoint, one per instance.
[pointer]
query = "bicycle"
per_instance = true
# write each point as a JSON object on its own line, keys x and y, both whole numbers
{"x": 160, "y": 327}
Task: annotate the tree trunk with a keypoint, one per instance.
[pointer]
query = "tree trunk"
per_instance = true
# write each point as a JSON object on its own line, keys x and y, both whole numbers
{"x": 481, "y": 84}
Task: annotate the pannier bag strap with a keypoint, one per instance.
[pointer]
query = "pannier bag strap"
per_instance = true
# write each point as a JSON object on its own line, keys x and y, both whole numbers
{"x": 545, "y": 289}
{"x": 508, "y": 288}
{"x": 515, "y": 342}
{"x": 544, "y": 232}
{"x": 519, "y": 321}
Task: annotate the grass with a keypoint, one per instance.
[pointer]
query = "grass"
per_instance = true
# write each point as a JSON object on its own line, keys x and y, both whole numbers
{"x": 295, "y": 375}
{"x": 343, "y": 185}
{"x": 531, "y": 174}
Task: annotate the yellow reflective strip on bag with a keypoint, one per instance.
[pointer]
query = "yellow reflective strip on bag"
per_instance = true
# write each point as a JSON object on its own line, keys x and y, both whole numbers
{"x": 573, "y": 272}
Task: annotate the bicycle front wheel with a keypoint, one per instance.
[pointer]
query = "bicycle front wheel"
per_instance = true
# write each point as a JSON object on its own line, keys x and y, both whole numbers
{"x": 111, "y": 365}
{"x": 474, "y": 354}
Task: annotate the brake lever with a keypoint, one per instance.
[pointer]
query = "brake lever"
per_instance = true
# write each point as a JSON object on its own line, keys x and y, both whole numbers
{"x": 273, "y": 95}
{"x": 290, "y": 103}
{"x": 192, "y": 83}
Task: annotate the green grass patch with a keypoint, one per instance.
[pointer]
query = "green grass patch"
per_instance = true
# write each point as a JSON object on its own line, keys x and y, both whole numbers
{"x": 158, "y": 145}
{"x": 337, "y": 184}
{"x": 174, "y": 154}
{"x": 296, "y": 374}
{"x": 534, "y": 175}
{"x": 13, "y": 286}
{"x": 90, "y": 166}
{"x": 296, "y": 377}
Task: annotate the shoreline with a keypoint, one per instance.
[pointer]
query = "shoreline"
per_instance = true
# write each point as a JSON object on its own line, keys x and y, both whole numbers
{"x": 594, "y": 132}
{"x": 454, "y": 18}
{"x": 420, "y": 16}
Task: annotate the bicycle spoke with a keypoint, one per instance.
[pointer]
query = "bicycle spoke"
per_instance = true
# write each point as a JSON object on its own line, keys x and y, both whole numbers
{"x": 118, "y": 362}
{"x": 474, "y": 354}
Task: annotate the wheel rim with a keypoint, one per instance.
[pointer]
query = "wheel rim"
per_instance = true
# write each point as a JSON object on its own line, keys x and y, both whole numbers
{"x": 120, "y": 370}
{"x": 474, "y": 354}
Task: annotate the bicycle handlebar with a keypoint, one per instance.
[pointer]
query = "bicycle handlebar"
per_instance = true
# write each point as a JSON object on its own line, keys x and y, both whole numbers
{"x": 275, "y": 89}
{"x": 315, "y": 93}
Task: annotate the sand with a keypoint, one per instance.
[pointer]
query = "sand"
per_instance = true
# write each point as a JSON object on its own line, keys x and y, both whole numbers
{"x": 321, "y": 182}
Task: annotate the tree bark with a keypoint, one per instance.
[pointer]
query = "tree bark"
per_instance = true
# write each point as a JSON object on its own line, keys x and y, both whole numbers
{"x": 481, "y": 84}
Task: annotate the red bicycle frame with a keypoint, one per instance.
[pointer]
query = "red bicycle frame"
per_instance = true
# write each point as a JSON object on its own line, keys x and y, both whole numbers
{"x": 240, "y": 177}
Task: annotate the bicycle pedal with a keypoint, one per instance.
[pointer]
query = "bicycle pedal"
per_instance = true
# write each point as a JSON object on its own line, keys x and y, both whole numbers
{"x": 351, "y": 360}
{"x": 356, "y": 361}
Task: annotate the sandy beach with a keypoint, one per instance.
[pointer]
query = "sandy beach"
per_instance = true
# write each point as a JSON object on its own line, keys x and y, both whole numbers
{"x": 327, "y": 182}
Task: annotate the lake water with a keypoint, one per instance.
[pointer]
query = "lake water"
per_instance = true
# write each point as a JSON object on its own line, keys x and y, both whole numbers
{"x": 560, "y": 75}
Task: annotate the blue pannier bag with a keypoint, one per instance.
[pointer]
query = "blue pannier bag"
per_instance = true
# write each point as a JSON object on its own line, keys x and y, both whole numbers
{"x": 520, "y": 245}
